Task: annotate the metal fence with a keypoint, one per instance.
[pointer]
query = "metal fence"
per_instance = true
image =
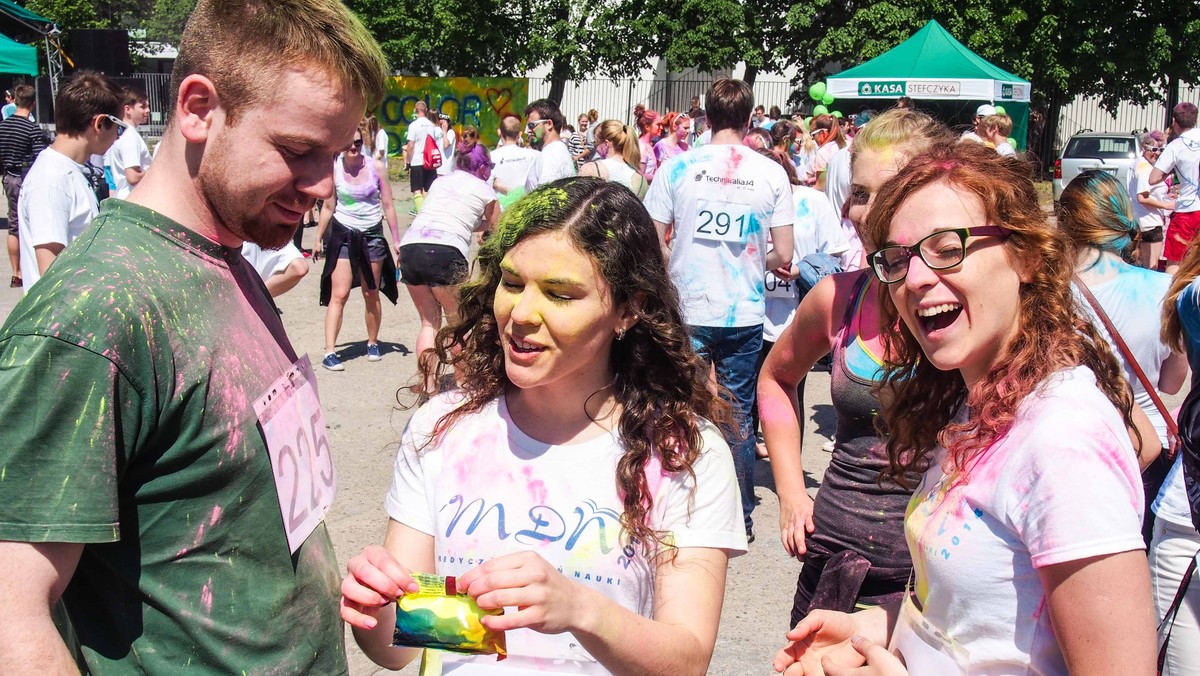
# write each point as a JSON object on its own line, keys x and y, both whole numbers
{"x": 1085, "y": 113}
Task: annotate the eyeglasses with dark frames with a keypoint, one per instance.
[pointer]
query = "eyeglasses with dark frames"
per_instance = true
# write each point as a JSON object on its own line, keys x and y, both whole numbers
{"x": 941, "y": 250}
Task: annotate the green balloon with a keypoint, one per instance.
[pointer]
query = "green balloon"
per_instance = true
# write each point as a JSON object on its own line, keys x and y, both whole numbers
{"x": 817, "y": 91}
{"x": 1012, "y": 142}
{"x": 1000, "y": 110}
{"x": 808, "y": 122}
{"x": 820, "y": 110}
{"x": 827, "y": 99}
{"x": 836, "y": 113}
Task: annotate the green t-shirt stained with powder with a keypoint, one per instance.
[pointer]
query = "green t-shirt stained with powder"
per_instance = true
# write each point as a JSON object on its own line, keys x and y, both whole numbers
{"x": 127, "y": 381}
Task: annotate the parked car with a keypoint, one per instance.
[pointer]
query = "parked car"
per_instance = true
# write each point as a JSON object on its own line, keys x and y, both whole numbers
{"x": 1112, "y": 152}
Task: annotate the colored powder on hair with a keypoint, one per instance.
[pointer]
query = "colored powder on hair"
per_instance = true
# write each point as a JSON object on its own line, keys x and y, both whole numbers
{"x": 535, "y": 207}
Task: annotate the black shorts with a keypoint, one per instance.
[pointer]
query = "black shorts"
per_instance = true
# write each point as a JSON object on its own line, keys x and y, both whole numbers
{"x": 432, "y": 265}
{"x": 420, "y": 179}
{"x": 1153, "y": 235}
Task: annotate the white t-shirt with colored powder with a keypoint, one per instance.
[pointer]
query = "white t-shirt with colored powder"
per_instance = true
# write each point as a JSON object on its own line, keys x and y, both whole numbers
{"x": 1062, "y": 485}
{"x": 1133, "y": 298}
{"x": 486, "y": 489}
{"x": 817, "y": 229}
{"x": 512, "y": 165}
{"x": 553, "y": 162}
{"x": 1183, "y": 157}
{"x": 56, "y": 205}
{"x": 722, "y": 199}
{"x": 452, "y": 210}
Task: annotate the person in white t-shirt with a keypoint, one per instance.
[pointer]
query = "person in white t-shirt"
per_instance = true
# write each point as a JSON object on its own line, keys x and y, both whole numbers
{"x": 1025, "y": 527}
{"x": 129, "y": 158}
{"x": 1176, "y": 541}
{"x": 513, "y": 162}
{"x": 281, "y": 269}
{"x": 714, "y": 207}
{"x": 995, "y": 130}
{"x": 419, "y": 178}
{"x": 379, "y": 142}
{"x": 434, "y": 249}
{"x": 56, "y": 201}
{"x": 827, "y": 132}
{"x": 1152, "y": 204}
{"x": 449, "y": 145}
{"x": 546, "y": 123}
{"x": 983, "y": 112}
{"x": 1181, "y": 156}
{"x": 608, "y": 530}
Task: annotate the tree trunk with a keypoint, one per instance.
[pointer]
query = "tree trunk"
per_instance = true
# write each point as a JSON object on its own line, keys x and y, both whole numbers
{"x": 1045, "y": 145}
{"x": 558, "y": 79}
{"x": 750, "y": 75}
{"x": 1172, "y": 99}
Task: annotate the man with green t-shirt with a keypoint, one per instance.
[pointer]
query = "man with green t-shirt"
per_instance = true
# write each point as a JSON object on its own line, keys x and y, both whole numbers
{"x": 164, "y": 468}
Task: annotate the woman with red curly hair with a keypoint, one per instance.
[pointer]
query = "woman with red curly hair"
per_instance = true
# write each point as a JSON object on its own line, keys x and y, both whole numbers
{"x": 1025, "y": 528}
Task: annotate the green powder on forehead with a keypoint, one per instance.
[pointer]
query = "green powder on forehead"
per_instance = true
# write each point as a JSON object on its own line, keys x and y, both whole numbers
{"x": 536, "y": 207}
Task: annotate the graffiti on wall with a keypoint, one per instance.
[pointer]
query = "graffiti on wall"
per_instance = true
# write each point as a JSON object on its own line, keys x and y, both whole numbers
{"x": 478, "y": 102}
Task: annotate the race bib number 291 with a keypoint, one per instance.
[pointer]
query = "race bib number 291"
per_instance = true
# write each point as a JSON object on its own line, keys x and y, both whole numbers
{"x": 289, "y": 413}
{"x": 722, "y": 221}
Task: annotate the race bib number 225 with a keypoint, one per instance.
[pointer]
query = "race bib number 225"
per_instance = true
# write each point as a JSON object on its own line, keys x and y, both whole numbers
{"x": 293, "y": 425}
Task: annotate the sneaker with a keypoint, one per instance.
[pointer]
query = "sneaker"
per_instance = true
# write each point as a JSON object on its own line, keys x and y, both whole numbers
{"x": 827, "y": 446}
{"x": 749, "y": 534}
{"x": 373, "y": 352}
{"x": 332, "y": 363}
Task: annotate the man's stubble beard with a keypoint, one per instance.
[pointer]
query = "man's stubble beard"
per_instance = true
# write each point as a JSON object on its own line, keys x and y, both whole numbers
{"x": 213, "y": 179}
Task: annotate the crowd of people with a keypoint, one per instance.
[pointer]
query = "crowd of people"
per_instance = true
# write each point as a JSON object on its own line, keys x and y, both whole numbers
{"x": 616, "y": 324}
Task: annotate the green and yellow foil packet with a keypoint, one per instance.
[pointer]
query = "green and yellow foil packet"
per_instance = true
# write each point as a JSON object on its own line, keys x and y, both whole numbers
{"x": 438, "y": 616}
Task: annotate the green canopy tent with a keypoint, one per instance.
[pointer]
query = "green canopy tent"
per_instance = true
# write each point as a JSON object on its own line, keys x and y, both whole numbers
{"x": 28, "y": 26}
{"x": 932, "y": 65}
{"x": 17, "y": 59}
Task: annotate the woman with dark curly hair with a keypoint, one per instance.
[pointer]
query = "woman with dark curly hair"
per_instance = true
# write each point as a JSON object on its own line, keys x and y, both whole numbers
{"x": 1025, "y": 528}
{"x": 579, "y": 462}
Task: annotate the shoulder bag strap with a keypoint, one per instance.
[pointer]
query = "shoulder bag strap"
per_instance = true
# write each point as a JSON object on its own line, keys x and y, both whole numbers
{"x": 1137, "y": 369}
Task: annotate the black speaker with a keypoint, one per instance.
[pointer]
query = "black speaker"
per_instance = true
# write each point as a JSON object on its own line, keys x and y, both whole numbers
{"x": 104, "y": 51}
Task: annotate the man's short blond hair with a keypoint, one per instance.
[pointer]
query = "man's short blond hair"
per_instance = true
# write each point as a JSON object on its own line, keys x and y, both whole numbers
{"x": 1002, "y": 123}
{"x": 243, "y": 45}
